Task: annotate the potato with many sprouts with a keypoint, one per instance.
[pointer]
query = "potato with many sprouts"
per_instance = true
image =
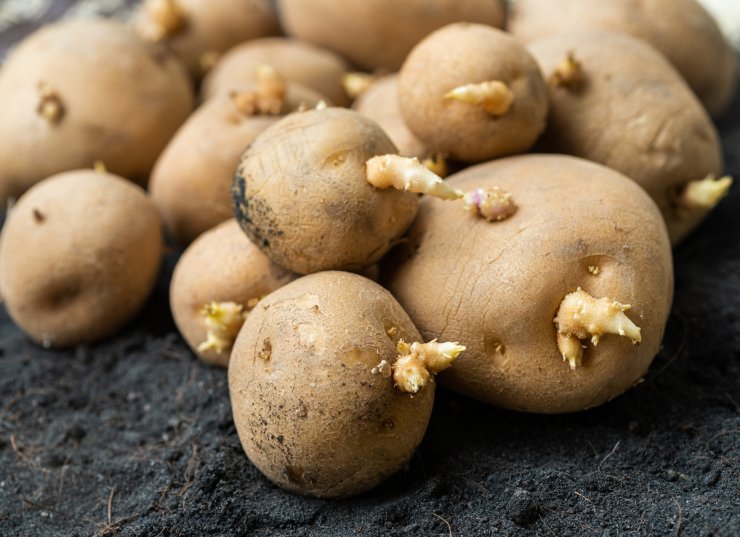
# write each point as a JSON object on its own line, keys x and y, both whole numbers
{"x": 295, "y": 60}
{"x": 473, "y": 92}
{"x": 217, "y": 281}
{"x": 80, "y": 253}
{"x": 615, "y": 100}
{"x": 556, "y": 272}
{"x": 199, "y": 32}
{"x": 680, "y": 29}
{"x": 331, "y": 386}
{"x": 191, "y": 182}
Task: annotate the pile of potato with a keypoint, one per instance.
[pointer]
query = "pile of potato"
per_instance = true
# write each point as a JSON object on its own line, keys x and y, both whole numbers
{"x": 329, "y": 265}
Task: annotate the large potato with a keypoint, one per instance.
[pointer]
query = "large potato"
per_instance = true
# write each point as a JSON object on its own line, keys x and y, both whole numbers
{"x": 312, "y": 409}
{"x": 80, "y": 253}
{"x": 496, "y": 287}
{"x": 82, "y": 91}
{"x": 378, "y": 34}
{"x": 681, "y": 29}
{"x": 630, "y": 110}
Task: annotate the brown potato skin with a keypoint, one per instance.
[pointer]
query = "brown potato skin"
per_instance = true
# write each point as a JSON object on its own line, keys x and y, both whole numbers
{"x": 682, "y": 30}
{"x": 378, "y": 34}
{"x": 634, "y": 114}
{"x": 123, "y": 100}
{"x": 301, "y": 193}
{"x": 191, "y": 182}
{"x": 80, "y": 254}
{"x": 461, "y": 54}
{"x": 214, "y": 26}
{"x": 484, "y": 283}
{"x": 297, "y": 61}
{"x": 310, "y": 414}
{"x": 380, "y": 103}
{"x": 222, "y": 265}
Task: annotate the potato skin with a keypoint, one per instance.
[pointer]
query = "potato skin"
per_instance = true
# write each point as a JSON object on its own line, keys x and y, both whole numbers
{"x": 122, "y": 101}
{"x": 75, "y": 264}
{"x": 485, "y": 284}
{"x": 213, "y": 27}
{"x": 191, "y": 182}
{"x": 634, "y": 114}
{"x": 461, "y": 54}
{"x": 682, "y": 30}
{"x": 309, "y": 412}
{"x": 301, "y": 193}
{"x": 378, "y": 34}
{"x": 222, "y": 265}
{"x": 295, "y": 60}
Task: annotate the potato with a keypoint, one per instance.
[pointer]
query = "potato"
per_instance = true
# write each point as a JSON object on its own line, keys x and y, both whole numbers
{"x": 378, "y": 34}
{"x": 217, "y": 281}
{"x": 80, "y": 253}
{"x": 627, "y": 108}
{"x": 496, "y": 287}
{"x": 681, "y": 29}
{"x": 301, "y": 193}
{"x": 191, "y": 182}
{"x": 82, "y": 91}
{"x": 311, "y": 390}
{"x": 199, "y": 32}
{"x": 295, "y": 60}
{"x": 473, "y": 92}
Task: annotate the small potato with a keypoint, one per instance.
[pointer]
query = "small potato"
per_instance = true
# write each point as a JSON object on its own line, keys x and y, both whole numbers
{"x": 681, "y": 29}
{"x": 473, "y": 92}
{"x": 378, "y": 34}
{"x": 217, "y": 281}
{"x": 81, "y": 91}
{"x": 295, "y": 60}
{"x": 191, "y": 182}
{"x": 80, "y": 253}
{"x": 198, "y": 31}
{"x": 314, "y": 386}
{"x": 301, "y": 193}
{"x": 616, "y": 101}
{"x": 498, "y": 287}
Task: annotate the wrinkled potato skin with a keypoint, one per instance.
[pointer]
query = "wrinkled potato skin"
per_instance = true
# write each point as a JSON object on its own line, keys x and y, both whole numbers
{"x": 123, "y": 99}
{"x": 311, "y": 415}
{"x": 380, "y": 103}
{"x": 191, "y": 182}
{"x": 80, "y": 253}
{"x": 214, "y": 27}
{"x": 484, "y": 283}
{"x": 462, "y": 54}
{"x": 378, "y": 34}
{"x": 634, "y": 114}
{"x": 301, "y": 193}
{"x": 680, "y": 29}
{"x": 221, "y": 266}
{"x": 295, "y": 60}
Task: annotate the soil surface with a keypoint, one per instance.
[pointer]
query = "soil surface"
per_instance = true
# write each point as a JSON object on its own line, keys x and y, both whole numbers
{"x": 134, "y": 437}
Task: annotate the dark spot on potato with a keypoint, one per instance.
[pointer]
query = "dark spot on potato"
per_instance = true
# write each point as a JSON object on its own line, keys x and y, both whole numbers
{"x": 280, "y": 439}
{"x": 389, "y": 425}
{"x": 302, "y": 411}
{"x": 38, "y": 216}
{"x": 294, "y": 474}
{"x": 266, "y": 351}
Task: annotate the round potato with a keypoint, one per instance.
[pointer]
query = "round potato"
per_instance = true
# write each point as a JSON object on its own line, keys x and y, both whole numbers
{"x": 198, "y": 32}
{"x": 295, "y": 60}
{"x": 80, "y": 253}
{"x": 314, "y": 410}
{"x": 191, "y": 182}
{"x": 616, "y": 101}
{"x": 378, "y": 34}
{"x": 473, "y": 92}
{"x": 82, "y": 91}
{"x": 217, "y": 281}
{"x": 498, "y": 287}
{"x": 681, "y": 29}
{"x": 301, "y": 193}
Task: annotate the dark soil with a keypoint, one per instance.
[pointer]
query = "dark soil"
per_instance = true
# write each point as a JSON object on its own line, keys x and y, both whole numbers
{"x": 135, "y": 437}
